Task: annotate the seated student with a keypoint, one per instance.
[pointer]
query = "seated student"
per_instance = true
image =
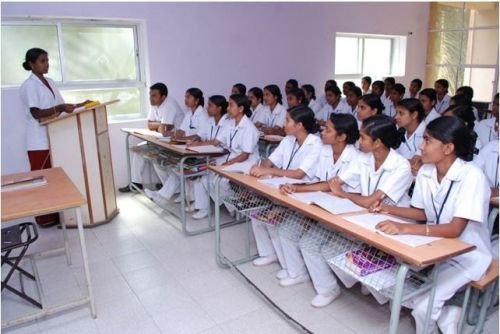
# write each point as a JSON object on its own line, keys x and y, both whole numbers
{"x": 337, "y": 154}
{"x": 239, "y": 89}
{"x": 378, "y": 88}
{"x": 452, "y": 196}
{"x": 487, "y": 129}
{"x": 428, "y": 99}
{"x": 289, "y": 85}
{"x": 277, "y": 113}
{"x": 368, "y": 105}
{"x": 464, "y": 112}
{"x": 191, "y": 125}
{"x": 260, "y": 114}
{"x": 409, "y": 118}
{"x": 295, "y": 97}
{"x": 469, "y": 92}
{"x": 345, "y": 88}
{"x": 389, "y": 83}
{"x": 488, "y": 162}
{"x": 415, "y": 87}
{"x": 442, "y": 98}
{"x": 295, "y": 157}
{"x": 365, "y": 85}
{"x": 164, "y": 114}
{"x": 353, "y": 96}
{"x": 310, "y": 94}
{"x": 397, "y": 93}
{"x": 322, "y": 99}
{"x": 334, "y": 105}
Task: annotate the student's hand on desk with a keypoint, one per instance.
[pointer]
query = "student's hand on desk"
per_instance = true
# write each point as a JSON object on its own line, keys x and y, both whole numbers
{"x": 258, "y": 125}
{"x": 336, "y": 187}
{"x": 390, "y": 227}
{"x": 379, "y": 207}
{"x": 287, "y": 189}
{"x": 259, "y": 171}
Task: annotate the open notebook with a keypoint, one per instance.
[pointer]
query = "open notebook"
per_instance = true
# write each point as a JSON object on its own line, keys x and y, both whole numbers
{"x": 330, "y": 203}
{"x": 370, "y": 220}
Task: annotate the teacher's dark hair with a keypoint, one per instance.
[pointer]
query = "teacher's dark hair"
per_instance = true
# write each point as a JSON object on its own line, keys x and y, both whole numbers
{"x": 31, "y": 57}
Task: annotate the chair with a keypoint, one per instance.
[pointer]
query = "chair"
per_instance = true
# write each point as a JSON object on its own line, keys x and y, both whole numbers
{"x": 18, "y": 237}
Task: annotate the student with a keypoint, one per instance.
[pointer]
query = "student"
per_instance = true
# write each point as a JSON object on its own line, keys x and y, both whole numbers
{"x": 353, "y": 96}
{"x": 464, "y": 112}
{"x": 365, "y": 85}
{"x": 239, "y": 89}
{"x": 277, "y": 113}
{"x": 164, "y": 115}
{"x": 469, "y": 92}
{"x": 337, "y": 154}
{"x": 409, "y": 116}
{"x": 41, "y": 99}
{"x": 415, "y": 87}
{"x": 289, "y": 85}
{"x": 334, "y": 104}
{"x": 310, "y": 94}
{"x": 452, "y": 196}
{"x": 428, "y": 99}
{"x": 295, "y": 157}
{"x": 212, "y": 133}
{"x": 488, "y": 162}
{"x": 378, "y": 88}
{"x": 368, "y": 105}
{"x": 322, "y": 98}
{"x": 389, "y": 83}
{"x": 397, "y": 93}
{"x": 345, "y": 88}
{"x": 487, "y": 129}
{"x": 296, "y": 97}
{"x": 260, "y": 114}
{"x": 191, "y": 125}
{"x": 442, "y": 98}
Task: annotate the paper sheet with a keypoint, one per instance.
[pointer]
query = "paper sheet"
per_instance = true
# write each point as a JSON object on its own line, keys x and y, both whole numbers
{"x": 278, "y": 181}
{"x": 330, "y": 203}
{"x": 370, "y": 220}
{"x": 240, "y": 167}
{"x": 206, "y": 149}
{"x": 145, "y": 132}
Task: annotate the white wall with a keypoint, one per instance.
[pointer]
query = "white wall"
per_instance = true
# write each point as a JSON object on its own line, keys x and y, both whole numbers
{"x": 212, "y": 46}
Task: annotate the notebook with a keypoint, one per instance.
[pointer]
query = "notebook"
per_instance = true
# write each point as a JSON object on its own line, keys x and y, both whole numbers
{"x": 206, "y": 149}
{"x": 145, "y": 132}
{"x": 278, "y": 181}
{"x": 370, "y": 220}
{"x": 330, "y": 203}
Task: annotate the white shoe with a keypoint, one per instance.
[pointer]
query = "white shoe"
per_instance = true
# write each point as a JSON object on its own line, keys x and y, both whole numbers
{"x": 364, "y": 290}
{"x": 154, "y": 195}
{"x": 321, "y": 300}
{"x": 289, "y": 281}
{"x": 189, "y": 208}
{"x": 200, "y": 214}
{"x": 265, "y": 260}
{"x": 449, "y": 319}
{"x": 283, "y": 273}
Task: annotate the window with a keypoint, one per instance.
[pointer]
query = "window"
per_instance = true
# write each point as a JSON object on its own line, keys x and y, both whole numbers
{"x": 463, "y": 47}
{"x": 374, "y": 55}
{"x": 89, "y": 59}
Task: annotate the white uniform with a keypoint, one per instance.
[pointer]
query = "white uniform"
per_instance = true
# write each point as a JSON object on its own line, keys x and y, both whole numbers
{"x": 315, "y": 106}
{"x": 261, "y": 114}
{"x": 322, "y": 101}
{"x": 170, "y": 112}
{"x": 442, "y": 105}
{"x": 276, "y": 117}
{"x": 289, "y": 156}
{"x": 485, "y": 130}
{"x": 341, "y": 108}
{"x": 390, "y": 109}
{"x": 34, "y": 94}
{"x": 468, "y": 198}
{"x": 411, "y": 146}
{"x": 408, "y": 95}
{"x": 488, "y": 162}
{"x": 432, "y": 115}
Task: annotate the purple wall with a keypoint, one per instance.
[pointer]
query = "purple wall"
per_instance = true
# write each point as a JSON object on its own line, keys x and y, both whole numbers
{"x": 213, "y": 46}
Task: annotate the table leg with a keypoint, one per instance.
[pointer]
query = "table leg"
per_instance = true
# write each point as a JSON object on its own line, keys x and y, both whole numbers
{"x": 65, "y": 237}
{"x": 397, "y": 298}
{"x": 183, "y": 196}
{"x": 85, "y": 261}
{"x": 432, "y": 294}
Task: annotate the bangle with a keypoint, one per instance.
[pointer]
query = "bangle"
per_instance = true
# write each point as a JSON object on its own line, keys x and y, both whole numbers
{"x": 427, "y": 229}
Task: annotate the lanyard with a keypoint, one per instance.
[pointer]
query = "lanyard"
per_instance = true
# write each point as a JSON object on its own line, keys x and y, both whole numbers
{"x": 438, "y": 216}
{"x": 294, "y": 151}
{"x": 216, "y": 132}
{"x": 376, "y": 184}
{"x": 414, "y": 146}
{"x": 231, "y": 137}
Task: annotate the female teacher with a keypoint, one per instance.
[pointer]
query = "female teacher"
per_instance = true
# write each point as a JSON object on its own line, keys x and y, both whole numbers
{"x": 41, "y": 99}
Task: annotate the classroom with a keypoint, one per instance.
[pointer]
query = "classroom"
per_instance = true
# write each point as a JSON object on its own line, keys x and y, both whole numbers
{"x": 249, "y": 167}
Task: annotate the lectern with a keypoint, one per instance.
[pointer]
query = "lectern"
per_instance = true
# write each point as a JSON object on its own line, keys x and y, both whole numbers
{"x": 79, "y": 143}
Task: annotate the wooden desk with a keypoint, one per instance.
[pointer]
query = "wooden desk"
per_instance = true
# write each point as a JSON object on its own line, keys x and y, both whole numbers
{"x": 57, "y": 195}
{"x": 423, "y": 256}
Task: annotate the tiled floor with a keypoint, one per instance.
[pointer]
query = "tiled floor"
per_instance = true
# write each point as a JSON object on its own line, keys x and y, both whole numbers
{"x": 149, "y": 278}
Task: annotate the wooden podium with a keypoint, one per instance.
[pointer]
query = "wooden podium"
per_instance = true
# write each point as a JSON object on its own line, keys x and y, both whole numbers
{"x": 79, "y": 143}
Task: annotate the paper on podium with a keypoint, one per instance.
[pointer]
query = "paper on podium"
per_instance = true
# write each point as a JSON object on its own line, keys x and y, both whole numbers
{"x": 330, "y": 203}
{"x": 370, "y": 220}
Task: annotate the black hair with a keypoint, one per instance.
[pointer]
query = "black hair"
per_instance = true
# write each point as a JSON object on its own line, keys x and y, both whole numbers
{"x": 242, "y": 89}
{"x": 349, "y": 84}
{"x": 257, "y": 92}
{"x": 452, "y": 130}
{"x": 310, "y": 89}
{"x": 399, "y": 88}
{"x": 390, "y": 80}
{"x": 367, "y": 79}
{"x": 430, "y": 93}
{"x": 275, "y": 91}
{"x": 219, "y": 101}
{"x": 373, "y": 101}
{"x": 299, "y": 94}
{"x": 161, "y": 87}
{"x": 461, "y": 100}
{"x": 334, "y": 89}
{"x": 330, "y": 82}
{"x": 197, "y": 94}
{"x": 31, "y": 56}
{"x": 293, "y": 82}
{"x": 346, "y": 124}
{"x": 465, "y": 113}
{"x": 242, "y": 101}
{"x": 418, "y": 82}
{"x": 356, "y": 90}
{"x": 303, "y": 114}
{"x": 413, "y": 105}
{"x": 379, "y": 84}
{"x": 467, "y": 91}
{"x": 382, "y": 127}
{"x": 443, "y": 82}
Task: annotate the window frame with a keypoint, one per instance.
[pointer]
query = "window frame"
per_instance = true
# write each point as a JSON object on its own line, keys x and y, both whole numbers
{"x": 140, "y": 51}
